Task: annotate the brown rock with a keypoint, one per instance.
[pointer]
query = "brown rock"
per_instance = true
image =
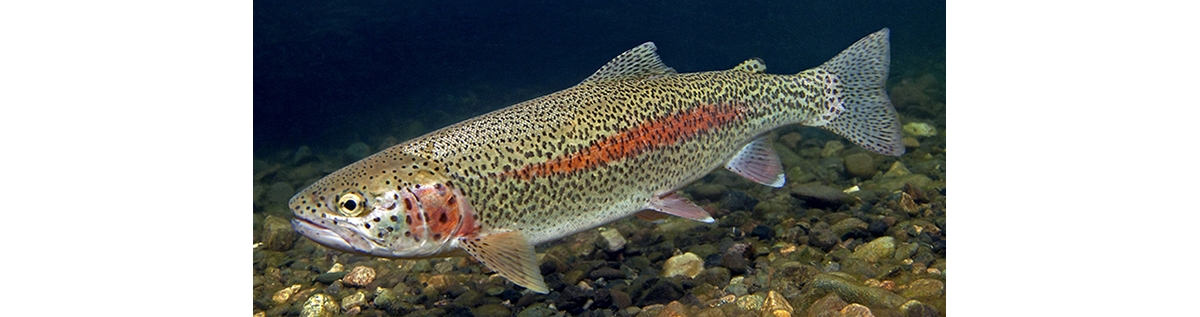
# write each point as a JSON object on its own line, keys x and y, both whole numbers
{"x": 359, "y": 276}
{"x": 860, "y": 165}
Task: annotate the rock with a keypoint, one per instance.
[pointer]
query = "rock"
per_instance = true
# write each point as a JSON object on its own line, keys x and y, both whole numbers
{"x": 830, "y": 305}
{"x": 917, "y": 309}
{"x": 491, "y": 310}
{"x": 832, "y": 148}
{"x": 877, "y": 227}
{"x": 606, "y": 273}
{"x": 919, "y": 129}
{"x": 763, "y": 233}
{"x": 301, "y": 154}
{"x": 856, "y": 310}
{"x": 537, "y": 310}
{"x": 354, "y": 300}
{"x": 359, "y": 276}
{"x": 571, "y": 299}
{"x": 752, "y": 302}
{"x": 737, "y": 287}
{"x": 387, "y": 300}
{"x": 876, "y": 250}
{"x": 283, "y": 295}
{"x": 664, "y": 291}
{"x": 822, "y": 236}
{"x": 687, "y": 264}
{"x": 791, "y": 139}
{"x": 925, "y": 288}
{"x": 319, "y": 305}
{"x": 821, "y": 195}
{"x": 674, "y": 309}
{"x": 715, "y": 276}
{"x": 470, "y": 298}
{"x": 358, "y": 150}
{"x": 896, "y": 170}
{"x": 910, "y": 142}
{"x": 329, "y": 278}
{"x": 892, "y": 184}
{"x": 775, "y": 303}
{"x": 849, "y": 227}
{"x": 280, "y": 193}
{"x": 861, "y": 165}
{"x": 277, "y": 234}
{"x": 709, "y": 191}
{"x": 739, "y": 200}
{"x": 825, "y": 283}
{"x": 620, "y": 299}
{"x": 611, "y": 240}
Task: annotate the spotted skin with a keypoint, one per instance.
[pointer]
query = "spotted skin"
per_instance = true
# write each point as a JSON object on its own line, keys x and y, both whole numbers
{"x": 629, "y": 135}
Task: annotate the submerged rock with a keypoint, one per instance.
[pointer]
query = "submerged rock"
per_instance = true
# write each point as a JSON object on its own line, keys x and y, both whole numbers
{"x": 687, "y": 264}
{"x": 611, "y": 240}
{"x": 826, "y": 283}
{"x": 319, "y": 305}
{"x": 358, "y": 150}
{"x": 876, "y": 250}
{"x": 861, "y": 165}
{"x": 277, "y": 234}
{"x": 359, "y": 276}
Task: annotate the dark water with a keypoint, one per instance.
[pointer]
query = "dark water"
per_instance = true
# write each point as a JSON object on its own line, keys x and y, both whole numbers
{"x": 329, "y": 73}
{"x": 336, "y": 80}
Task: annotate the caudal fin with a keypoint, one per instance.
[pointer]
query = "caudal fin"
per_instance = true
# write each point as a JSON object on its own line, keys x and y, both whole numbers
{"x": 869, "y": 119}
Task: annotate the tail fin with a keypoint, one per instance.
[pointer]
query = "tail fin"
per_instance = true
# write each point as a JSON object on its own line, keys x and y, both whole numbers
{"x": 869, "y": 119}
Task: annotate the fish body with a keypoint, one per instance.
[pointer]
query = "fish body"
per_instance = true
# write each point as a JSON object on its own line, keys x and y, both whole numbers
{"x": 622, "y": 141}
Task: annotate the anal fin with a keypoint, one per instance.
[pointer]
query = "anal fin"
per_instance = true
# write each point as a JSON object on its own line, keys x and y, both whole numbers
{"x": 758, "y": 162}
{"x": 673, "y": 204}
{"x": 510, "y": 255}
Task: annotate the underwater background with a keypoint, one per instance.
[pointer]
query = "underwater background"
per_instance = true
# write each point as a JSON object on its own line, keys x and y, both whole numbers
{"x": 337, "y": 81}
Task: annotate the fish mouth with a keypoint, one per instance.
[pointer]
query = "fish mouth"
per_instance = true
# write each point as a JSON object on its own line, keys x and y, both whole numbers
{"x": 328, "y": 237}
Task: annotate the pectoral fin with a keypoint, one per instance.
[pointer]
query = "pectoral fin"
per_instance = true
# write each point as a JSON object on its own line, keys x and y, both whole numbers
{"x": 510, "y": 255}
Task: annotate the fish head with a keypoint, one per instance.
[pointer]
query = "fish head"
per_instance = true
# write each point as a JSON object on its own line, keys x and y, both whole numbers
{"x": 386, "y": 205}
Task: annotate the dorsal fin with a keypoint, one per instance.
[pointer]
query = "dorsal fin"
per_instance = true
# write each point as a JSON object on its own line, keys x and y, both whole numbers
{"x": 753, "y": 66}
{"x": 637, "y": 63}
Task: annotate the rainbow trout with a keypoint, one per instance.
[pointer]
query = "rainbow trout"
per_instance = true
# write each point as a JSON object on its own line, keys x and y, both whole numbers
{"x": 620, "y": 142}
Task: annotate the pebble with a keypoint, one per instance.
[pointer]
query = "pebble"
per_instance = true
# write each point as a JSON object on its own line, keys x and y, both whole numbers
{"x": 664, "y": 291}
{"x": 736, "y": 287}
{"x": 674, "y": 309}
{"x": 715, "y": 276}
{"x": 687, "y": 264}
{"x": 856, "y": 310}
{"x": 791, "y": 139}
{"x": 491, "y": 310}
{"x": 896, "y": 170}
{"x": 329, "y": 278}
{"x": 359, "y": 276}
{"x": 775, "y": 303}
{"x": 277, "y": 234}
{"x": 861, "y": 165}
{"x": 832, "y": 148}
{"x": 620, "y": 299}
{"x": 915, "y": 308}
{"x": 876, "y": 250}
{"x": 875, "y": 297}
{"x": 925, "y": 288}
{"x": 354, "y": 300}
{"x": 752, "y": 302}
{"x": 826, "y": 306}
{"x": 919, "y": 129}
{"x": 302, "y": 153}
{"x": 319, "y": 305}
{"x": 283, "y": 295}
{"x": 709, "y": 191}
{"x": 611, "y": 240}
{"x": 606, "y": 273}
{"x": 910, "y": 142}
{"x": 849, "y": 226}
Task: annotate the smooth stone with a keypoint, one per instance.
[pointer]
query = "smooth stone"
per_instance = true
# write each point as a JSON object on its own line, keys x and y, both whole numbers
{"x": 537, "y": 310}
{"x": 861, "y": 165}
{"x": 876, "y": 297}
{"x": 611, "y": 240}
{"x": 856, "y": 310}
{"x": 829, "y": 305}
{"x": 687, "y": 264}
{"x": 832, "y": 148}
{"x": 470, "y": 298}
{"x": 910, "y": 142}
{"x": 319, "y": 305}
{"x": 302, "y": 153}
{"x": 920, "y": 129}
{"x": 329, "y": 278}
{"x": 277, "y": 234}
{"x": 876, "y": 250}
{"x": 491, "y": 310}
{"x": 892, "y": 184}
{"x": 791, "y": 139}
{"x": 620, "y": 299}
{"x": 775, "y": 303}
{"x": 715, "y": 276}
{"x": 821, "y": 235}
{"x": 606, "y": 273}
{"x": 571, "y": 298}
{"x": 664, "y": 291}
{"x": 848, "y": 225}
{"x": 896, "y": 170}
{"x": 915, "y": 308}
{"x": 736, "y": 287}
{"x": 925, "y": 288}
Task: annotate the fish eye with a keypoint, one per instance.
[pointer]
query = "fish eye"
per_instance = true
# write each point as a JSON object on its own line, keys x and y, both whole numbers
{"x": 351, "y": 204}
